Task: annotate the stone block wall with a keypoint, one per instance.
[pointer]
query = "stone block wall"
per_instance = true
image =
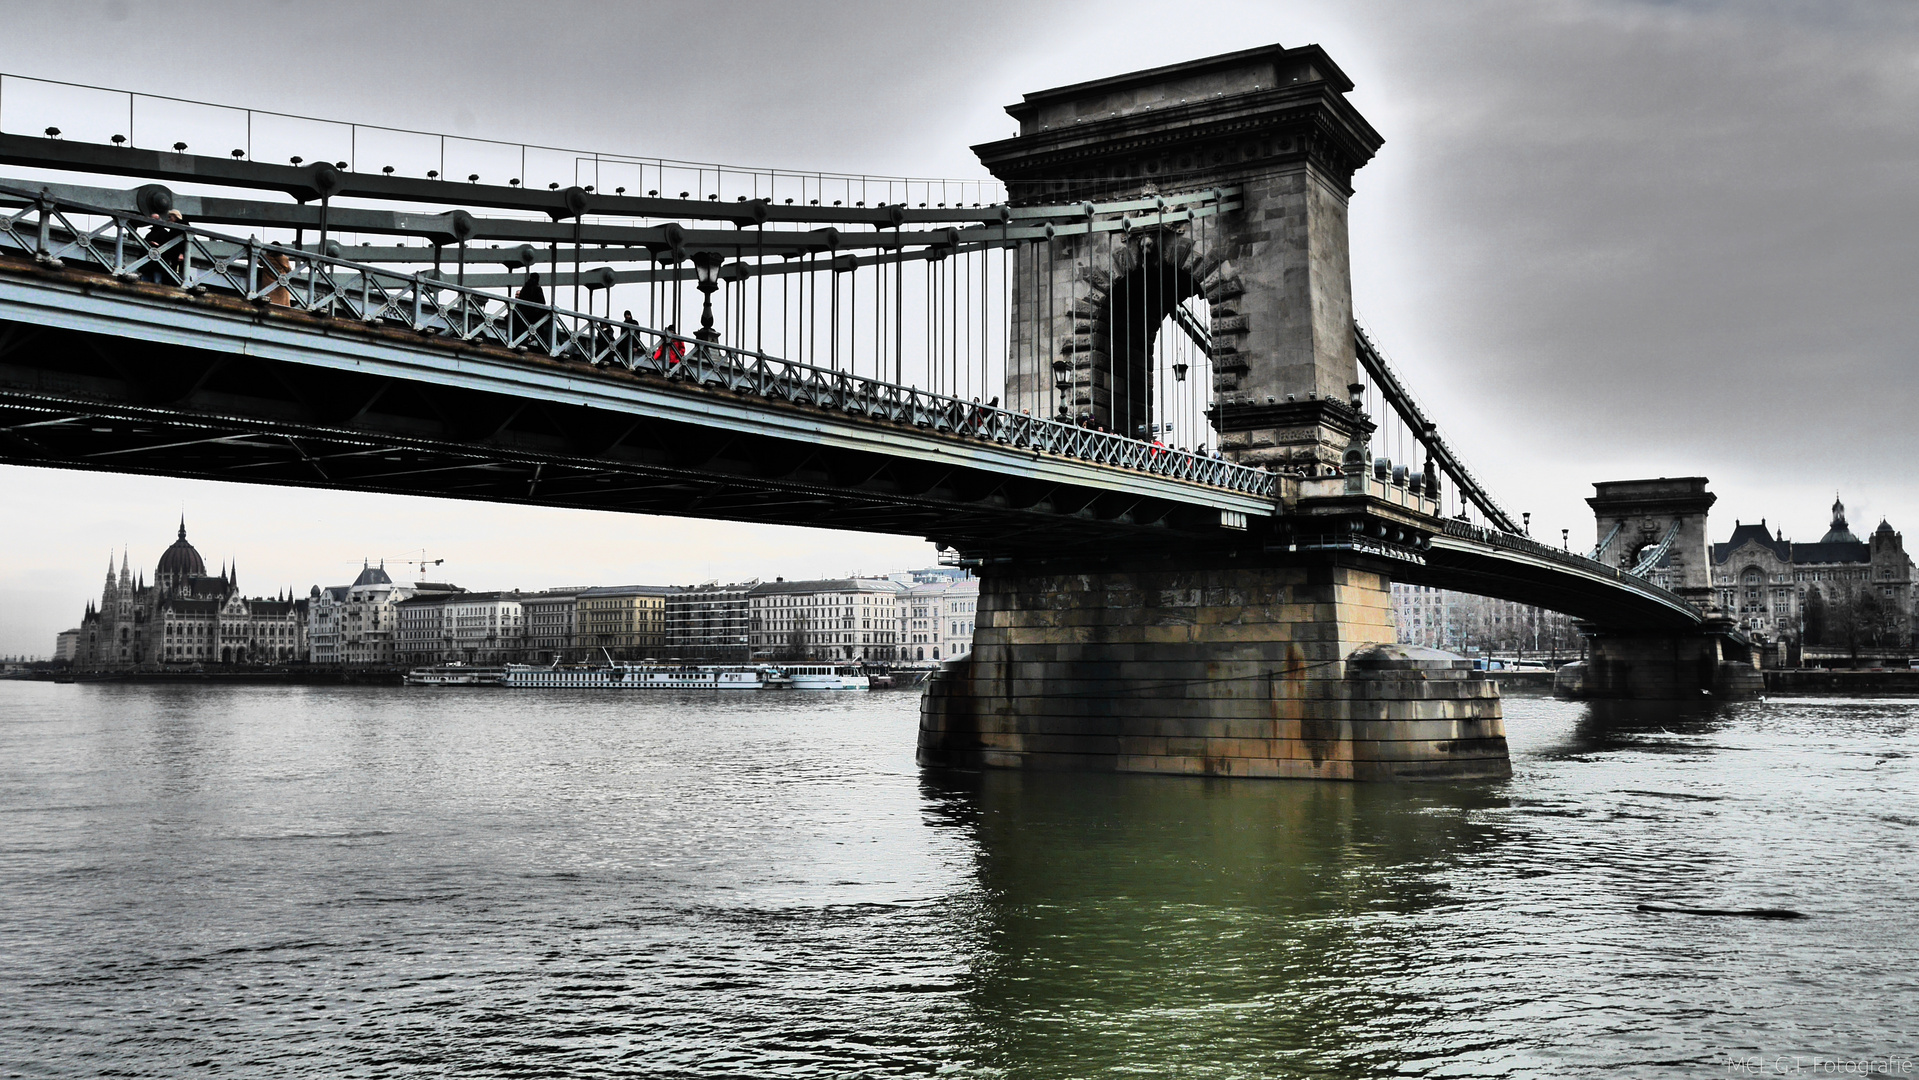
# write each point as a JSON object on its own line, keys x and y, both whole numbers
{"x": 1277, "y": 276}
{"x": 1256, "y": 672}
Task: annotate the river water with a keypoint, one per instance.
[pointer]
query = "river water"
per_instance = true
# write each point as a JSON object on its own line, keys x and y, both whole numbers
{"x": 272, "y": 881}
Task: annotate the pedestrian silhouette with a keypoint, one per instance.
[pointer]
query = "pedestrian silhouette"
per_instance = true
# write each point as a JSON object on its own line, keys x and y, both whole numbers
{"x": 527, "y": 326}
{"x": 670, "y": 352}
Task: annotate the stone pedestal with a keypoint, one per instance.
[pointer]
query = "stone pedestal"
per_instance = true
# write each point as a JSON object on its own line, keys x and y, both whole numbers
{"x": 1661, "y": 667}
{"x": 1261, "y": 672}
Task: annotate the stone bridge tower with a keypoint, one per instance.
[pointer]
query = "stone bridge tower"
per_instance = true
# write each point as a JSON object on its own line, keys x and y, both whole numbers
{"x": 1658, "y": 527}
{"x": 1663, "y": 519}
{"x": 1267, "y": 662}
{"x": 1273, "y": 123}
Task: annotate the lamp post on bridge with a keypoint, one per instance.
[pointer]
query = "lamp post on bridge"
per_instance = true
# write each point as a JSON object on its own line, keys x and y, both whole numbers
{"x": 706, "y": 266}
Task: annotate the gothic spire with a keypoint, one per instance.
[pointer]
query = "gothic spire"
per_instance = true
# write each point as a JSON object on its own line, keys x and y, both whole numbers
{"x": 183, "y": 526}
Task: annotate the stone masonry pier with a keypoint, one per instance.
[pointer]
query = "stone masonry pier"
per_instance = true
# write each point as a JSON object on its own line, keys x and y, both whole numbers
{"x": 1255, "y": 672}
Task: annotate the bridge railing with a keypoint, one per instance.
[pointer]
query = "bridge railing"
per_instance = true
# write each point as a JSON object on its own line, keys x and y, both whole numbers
{"x": 1525, "y": 545}
{"x": 74, "y": 236}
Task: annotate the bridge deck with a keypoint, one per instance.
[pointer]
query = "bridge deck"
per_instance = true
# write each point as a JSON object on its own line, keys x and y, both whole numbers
{"x": 126, "y": 376}
{"x": 234, "y": 371}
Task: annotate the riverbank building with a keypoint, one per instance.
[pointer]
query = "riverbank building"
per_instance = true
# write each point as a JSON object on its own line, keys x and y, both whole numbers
{"x": 835, "y": 619}
{"x": 1840, "y": 591}
{"x": 186, "y": 617}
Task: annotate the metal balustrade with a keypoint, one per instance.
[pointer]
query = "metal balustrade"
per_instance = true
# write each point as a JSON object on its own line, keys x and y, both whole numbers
{"x": 198, "y": 261}
{"x": 1527, "y": 546}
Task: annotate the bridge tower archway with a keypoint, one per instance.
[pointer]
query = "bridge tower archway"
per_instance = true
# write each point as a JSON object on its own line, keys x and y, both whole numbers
{"x": 1271, "y": 132}
{"x": 1132, "y": 295}
{"x": 1662, "y": 521}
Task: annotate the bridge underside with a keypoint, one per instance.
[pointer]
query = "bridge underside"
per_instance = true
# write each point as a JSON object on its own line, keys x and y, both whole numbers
{"x": 104, "y": 393}
{"x": 1482, "y": 571}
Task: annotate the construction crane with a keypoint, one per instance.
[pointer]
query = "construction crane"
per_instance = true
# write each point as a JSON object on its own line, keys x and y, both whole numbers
{"x": 420, "y": 564}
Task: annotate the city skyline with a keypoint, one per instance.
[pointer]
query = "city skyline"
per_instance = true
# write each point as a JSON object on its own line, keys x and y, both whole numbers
{"x": 261, "y": 584}
{"x": 183, "y": 614}
{"x": 1584, "y": 281}
{"x": 437, "y": 573}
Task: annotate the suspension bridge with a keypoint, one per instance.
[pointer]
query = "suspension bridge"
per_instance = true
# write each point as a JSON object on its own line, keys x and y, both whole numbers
{"x": 1123, "y": 380}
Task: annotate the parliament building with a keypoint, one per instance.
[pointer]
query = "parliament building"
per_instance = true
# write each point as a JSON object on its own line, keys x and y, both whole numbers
{"x": 186, "y": 617}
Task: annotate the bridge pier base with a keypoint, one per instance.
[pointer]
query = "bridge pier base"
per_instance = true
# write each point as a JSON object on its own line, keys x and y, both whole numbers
{"x": 1662, "y": 667}
{"x": 1256, "y": 672}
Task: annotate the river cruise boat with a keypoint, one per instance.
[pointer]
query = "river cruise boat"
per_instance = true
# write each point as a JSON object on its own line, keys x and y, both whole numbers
{"x": 455, "y": 675}
{"x": 827, "y": 677}
{"x": 618, "y": 676}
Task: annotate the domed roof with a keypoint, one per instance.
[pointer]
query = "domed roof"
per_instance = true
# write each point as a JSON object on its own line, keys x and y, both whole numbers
{"x": 180, "y": 561}
{"x": 1839, "y": 533}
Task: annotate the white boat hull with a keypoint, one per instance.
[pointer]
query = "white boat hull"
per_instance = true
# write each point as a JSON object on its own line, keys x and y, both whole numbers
{"x": 632, "y": 677}
{"x": 454, "y": 675}
{"x": 827, "y": 677}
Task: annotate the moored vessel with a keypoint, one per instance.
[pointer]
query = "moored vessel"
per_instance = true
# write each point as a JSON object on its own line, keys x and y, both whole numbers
{"x": 455, "y": 674}
{"x": 827, "y": 677}
{"x": 620, "y": 676}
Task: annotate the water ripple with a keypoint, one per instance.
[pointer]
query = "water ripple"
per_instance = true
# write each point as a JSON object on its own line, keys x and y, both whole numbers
{"x": 271, "y": 881}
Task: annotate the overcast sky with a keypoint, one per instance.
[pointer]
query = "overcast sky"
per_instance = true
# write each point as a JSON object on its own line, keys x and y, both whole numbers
{"x": 1603, "y": 239}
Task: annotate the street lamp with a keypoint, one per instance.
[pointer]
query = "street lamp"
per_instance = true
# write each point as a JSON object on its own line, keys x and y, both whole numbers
{"x": 706, "y": 266}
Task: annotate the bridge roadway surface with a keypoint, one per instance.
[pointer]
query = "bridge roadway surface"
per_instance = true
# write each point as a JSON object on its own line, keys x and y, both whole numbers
{"x": 118, "y": 376}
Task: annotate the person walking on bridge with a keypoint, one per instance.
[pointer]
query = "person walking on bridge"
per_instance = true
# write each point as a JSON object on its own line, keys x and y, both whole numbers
{"x": 522, "y": 328}
{"x": 278, "y": 269}
{"x": 629, "y": 331}
{"x": 174, "y": 258}
{"x": 671, "y": 350}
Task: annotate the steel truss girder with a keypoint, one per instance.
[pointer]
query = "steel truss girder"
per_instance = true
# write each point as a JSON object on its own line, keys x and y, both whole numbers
{"x": 213, "y": 433}
{"x": 265, "y": 278}
{"x": 556, "y": 244}
{"x": 236, "y": 448}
